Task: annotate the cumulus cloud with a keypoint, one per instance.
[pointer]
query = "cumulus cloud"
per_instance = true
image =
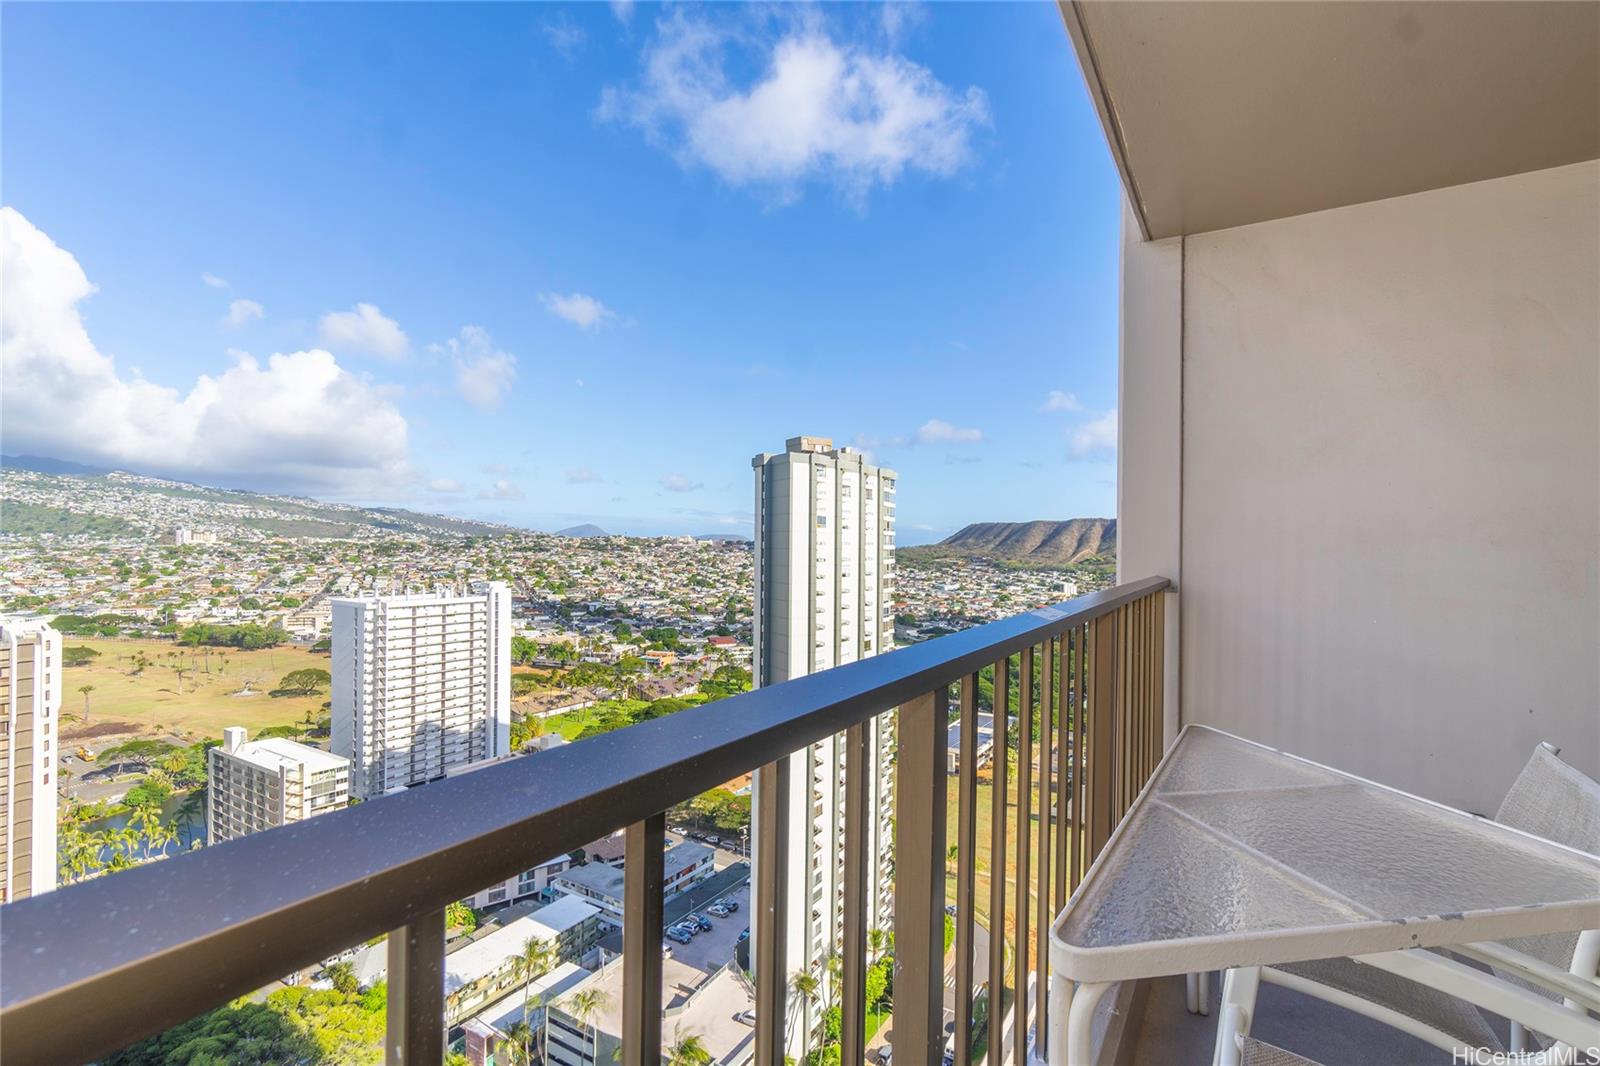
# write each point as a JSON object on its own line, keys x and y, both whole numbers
{"x": 363, "y": 328}
{"x": 484, "y": 373}
{"x": 213, "y": 281}
{"x": 299, "y": 421}
{"x": 242, "y": 311}
{"x": 582, "y": 311}
{"x": 444, "y": 484}
{"x": 583, "y": 476}
{"x": 1059, "y": 401}
{"x": 679, "y": 483}
{"x": 500, "y": 490}
{"x": 938, "y": 431}
{"x": 816, "y": 108}
{"x": 623, "y": 10}
{"x": 1094, "y": 440}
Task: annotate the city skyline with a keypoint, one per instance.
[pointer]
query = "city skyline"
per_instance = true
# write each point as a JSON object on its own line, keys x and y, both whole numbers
{"x": 581, "y": 299}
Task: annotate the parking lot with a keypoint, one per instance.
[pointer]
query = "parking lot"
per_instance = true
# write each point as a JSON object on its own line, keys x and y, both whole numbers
{"x": 714, "y": 948}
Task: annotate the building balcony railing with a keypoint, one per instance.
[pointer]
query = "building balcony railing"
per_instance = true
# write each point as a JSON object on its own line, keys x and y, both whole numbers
{"x": 99, "y": 965}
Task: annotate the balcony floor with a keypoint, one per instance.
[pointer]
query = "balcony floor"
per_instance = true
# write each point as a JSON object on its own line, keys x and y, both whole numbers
{"x": 1322, "y": 1032}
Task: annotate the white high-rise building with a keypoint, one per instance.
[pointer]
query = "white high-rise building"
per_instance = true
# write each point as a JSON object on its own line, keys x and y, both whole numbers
{"x": 824, "y": 597}
{"x": 30, "y": 709}
{"x": 258, "y": 784}
{"x": 421, "y": 684}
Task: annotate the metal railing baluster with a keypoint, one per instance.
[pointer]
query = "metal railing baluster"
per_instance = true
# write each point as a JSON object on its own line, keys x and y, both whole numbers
{"x": 857, "y": 815}
{"x": 920, "y": 797}
{"x": 767, "y": 943}
{"x": 998, "y": 757}
{"x": 415, "y": 1023}
{"x": 1024, "y": 848}
{"x": 966, "y": 845}
{"x": 1047, "y": 796}
{"x": 643, "y": 878}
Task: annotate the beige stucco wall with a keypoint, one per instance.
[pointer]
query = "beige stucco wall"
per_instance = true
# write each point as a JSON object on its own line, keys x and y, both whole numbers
{"x": 1390, "y": 479}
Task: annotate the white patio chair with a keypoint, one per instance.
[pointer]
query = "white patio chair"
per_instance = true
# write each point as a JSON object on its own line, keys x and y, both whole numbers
{"x": 1547, "y": 986}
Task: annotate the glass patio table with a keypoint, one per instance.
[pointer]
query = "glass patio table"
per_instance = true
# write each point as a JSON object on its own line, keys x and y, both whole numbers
{"x": 1237, "y": 855}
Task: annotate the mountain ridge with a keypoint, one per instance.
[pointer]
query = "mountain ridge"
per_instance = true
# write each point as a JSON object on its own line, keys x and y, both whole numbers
{"x": 1042, "y": 543}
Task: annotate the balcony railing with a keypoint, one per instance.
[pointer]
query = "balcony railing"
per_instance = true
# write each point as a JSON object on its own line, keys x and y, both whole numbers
{"x": 98, "y": 965}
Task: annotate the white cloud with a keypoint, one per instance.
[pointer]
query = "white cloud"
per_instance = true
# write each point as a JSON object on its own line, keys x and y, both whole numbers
{"x": 679, "y": 483}
{"x": 938, "y": 431}
{"x": 298, "y": 422}
{"x": 898, "y": 17}
{"x": 565, "y": 36}
{"x": 213, "y": 281}
{"x": 817, "y": 109}
{"x": 1059, "y": 401}
{"x": 363, "y": 328}
{"x": 583, "y": 476}
{"x": 582, "y": 311}
{"x": 1094, "y": 440}
{"x": 500, "y": 490}
{"x": 484, "y": 374}
{"x": 242, "y": 311}
{"x": 623, "y": 10}
{"x": 444, "y": 484}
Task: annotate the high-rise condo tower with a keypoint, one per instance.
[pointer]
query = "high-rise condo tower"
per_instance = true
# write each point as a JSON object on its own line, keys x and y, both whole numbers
{"x": 824, "y": 570}
{"x": 421, "y": 684}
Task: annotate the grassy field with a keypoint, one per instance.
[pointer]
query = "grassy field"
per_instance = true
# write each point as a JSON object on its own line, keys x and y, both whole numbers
{"x": 984, "y": 836}
{"x": 208, "y": 698}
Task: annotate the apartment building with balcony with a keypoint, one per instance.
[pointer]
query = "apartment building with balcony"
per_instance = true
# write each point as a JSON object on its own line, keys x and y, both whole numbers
{"x": 1359, "y": 514}
{"x": 30, "y": 719}
{"x": 421, "y": 684}
{"x": 254, "y": 785}
{"x": 824, "y": 575}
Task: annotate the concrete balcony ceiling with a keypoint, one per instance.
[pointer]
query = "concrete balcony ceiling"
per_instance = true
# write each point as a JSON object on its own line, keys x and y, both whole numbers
{"x": 1225, "y": 113}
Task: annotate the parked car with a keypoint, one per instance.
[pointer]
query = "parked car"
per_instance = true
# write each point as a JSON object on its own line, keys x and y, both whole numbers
{"x": 714, "y": 841}
{"x": 677, "y": 935}
{"x": 718, "y": 910}
{"x": 745, "y": 935}
{"x": 688, "y": 928}
{"x": 666, "y": 951}
{"x": 748, "y": 1017}
{"x": 703, "y": 922}
{"x": 885, "y": 1054}
{"x": 731, "y": 904}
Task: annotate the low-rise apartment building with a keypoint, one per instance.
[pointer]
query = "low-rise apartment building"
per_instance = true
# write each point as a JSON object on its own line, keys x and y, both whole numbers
{"x": 685, "y": 865}
{"x": 261, "y": 784}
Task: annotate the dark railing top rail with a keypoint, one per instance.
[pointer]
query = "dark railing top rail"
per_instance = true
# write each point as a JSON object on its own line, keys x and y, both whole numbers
{"x": 95, "y": 966}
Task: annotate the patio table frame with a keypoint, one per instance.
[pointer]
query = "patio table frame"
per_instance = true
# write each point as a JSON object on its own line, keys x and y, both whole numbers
{"x": 1080, "y": 975}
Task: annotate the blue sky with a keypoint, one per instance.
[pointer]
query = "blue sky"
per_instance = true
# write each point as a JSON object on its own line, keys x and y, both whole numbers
{"x": 548, "y": 264}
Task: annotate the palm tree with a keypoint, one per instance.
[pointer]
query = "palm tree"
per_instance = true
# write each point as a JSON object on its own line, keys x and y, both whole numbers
{"x": 688, "y": 1050}
{"x": 86, "y": 689}
{"x": 809, "y": 987}
{"x": 190, "y": 811}
{"x": 877, "y": 939}
{"x": 516, "y": 1044}
{"x": 532, "y": 961}
{"x": 583, "y": 1006}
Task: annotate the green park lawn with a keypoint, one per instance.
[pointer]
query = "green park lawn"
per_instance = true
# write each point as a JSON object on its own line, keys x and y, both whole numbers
{"x": 208, "y": 699}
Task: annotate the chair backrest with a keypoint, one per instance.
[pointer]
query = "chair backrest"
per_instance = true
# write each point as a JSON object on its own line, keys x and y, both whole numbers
{"x": 1552, "y": 800}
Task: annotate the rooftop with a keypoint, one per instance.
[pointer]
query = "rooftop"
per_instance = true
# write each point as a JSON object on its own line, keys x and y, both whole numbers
{"x": 607, "y": 880}
{"x": 488, "y": 954}
{"x": 278, "y": 753}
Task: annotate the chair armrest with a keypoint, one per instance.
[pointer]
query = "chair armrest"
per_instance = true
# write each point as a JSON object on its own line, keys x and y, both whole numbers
{"x": 1561, "y": 982}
